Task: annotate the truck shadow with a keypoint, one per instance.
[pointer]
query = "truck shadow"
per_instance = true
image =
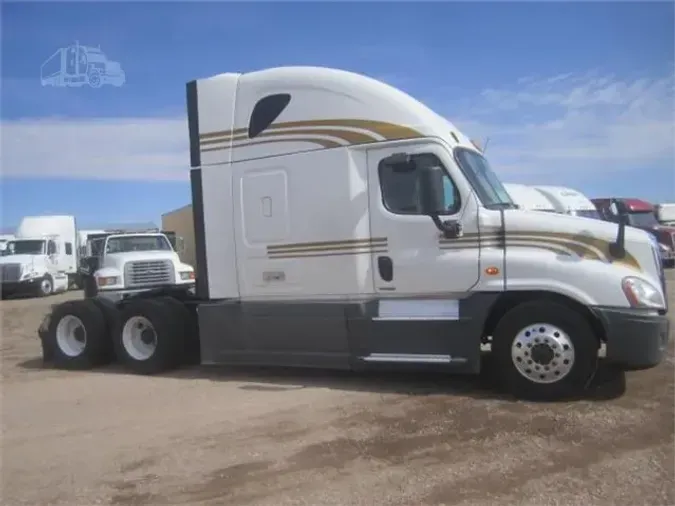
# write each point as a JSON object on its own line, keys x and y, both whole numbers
{"x": 607, "y": 384}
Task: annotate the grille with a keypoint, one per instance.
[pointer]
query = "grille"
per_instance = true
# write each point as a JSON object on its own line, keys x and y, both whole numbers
{"x": 149, "y": 272}
{"x": 10, "y": 272}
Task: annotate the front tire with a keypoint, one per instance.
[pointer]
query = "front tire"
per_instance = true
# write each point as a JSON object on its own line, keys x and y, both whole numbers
{"x": 545, "y": 351}
{"x": 77, "y": 337}
{"x": 151, "y": 337}
{"x": 46, "y": 286}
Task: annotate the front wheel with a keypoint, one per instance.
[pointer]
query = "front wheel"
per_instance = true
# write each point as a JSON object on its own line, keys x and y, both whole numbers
{"x": 46, "y": 286}
{"x": 545, "y": 351}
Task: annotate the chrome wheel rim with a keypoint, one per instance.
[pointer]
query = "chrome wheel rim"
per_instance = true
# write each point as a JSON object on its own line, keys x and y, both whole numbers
{"x": 543, "y": 353}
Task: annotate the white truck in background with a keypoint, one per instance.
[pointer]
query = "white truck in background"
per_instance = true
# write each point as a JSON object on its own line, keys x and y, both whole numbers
{"x": 340, "y": 223}
{"x": 665, "y": 214}
{"x": 42, "y": 258}
{"x": 569, "y": 201}
{"x": 528, "y": 198}
{"x": 121, "y": 265}
{"x": 4, "y": 239}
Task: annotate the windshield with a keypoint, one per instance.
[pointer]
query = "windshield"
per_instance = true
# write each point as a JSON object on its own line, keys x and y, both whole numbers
{"x": 34, "y": 247}
{"x": 484, "y": 181}
{"x": 587, "y": 213}
{"x": 138, "y": 243}
{"x": 643, "y": 219}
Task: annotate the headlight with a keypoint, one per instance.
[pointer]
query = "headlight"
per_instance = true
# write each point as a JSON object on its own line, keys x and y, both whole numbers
{"x": 28, "y": 274}
{"x": 107, "y": 280}
{"x": 641, "y": 293}
{"x": 187, "y": 275}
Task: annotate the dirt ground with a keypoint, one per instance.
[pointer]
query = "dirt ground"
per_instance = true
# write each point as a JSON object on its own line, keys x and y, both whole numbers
{"x": 268, "y": 437}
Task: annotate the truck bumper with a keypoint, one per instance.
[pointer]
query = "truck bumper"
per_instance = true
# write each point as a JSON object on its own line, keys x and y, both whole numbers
{"x": 20, "y": 287}
{"x": 119, "y": 295}
{"x": 636, "y": 339}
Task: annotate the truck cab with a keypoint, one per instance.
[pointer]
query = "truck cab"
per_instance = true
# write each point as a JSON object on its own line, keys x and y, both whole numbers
{"x": 568, "y": 201}
{"x": 30, "y": 265}
{"x": 641, "y": 214}
{"x": 125, "y": 264}
{"x": 340, "y": 223}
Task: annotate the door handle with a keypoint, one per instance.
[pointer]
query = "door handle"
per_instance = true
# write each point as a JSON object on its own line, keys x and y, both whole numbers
{"x": 385, "y": 267}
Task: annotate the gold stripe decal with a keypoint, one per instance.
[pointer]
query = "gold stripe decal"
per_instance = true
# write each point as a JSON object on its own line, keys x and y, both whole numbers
{"x": 348, "y": 131}
{"x": 328, "y": 248}
{"x": 590, "y": 248}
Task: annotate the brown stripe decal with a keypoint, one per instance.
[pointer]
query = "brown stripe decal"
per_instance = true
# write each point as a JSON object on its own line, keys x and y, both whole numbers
{"x": 328, "y": 248}
{"x": 325, "y": 143}
{"x": 345, "y": 135}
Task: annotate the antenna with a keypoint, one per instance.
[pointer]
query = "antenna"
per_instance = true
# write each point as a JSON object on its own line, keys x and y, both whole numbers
{"x": 487, "y": 139}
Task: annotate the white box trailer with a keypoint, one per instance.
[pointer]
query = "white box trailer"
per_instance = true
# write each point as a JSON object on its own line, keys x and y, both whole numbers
{"x": 340, "y": 223}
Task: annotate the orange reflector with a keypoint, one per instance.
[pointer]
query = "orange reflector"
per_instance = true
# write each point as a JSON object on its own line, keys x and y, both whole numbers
{"x": 492, "y": 271}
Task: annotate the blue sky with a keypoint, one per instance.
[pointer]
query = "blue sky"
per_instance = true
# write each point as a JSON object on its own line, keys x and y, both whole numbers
{"x": 578, "y": 94}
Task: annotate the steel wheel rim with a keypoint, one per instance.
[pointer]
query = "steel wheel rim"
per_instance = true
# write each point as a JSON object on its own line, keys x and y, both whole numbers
{"x": 543, "y": 353}
{"x": 71, "y": 336}
{"x": 46, "y": 286}
{"x": 139, "y": 338}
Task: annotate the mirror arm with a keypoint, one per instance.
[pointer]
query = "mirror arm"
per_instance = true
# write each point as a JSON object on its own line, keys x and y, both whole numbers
{"x": 445, "y": 227}
{"x": 618, "y": 248}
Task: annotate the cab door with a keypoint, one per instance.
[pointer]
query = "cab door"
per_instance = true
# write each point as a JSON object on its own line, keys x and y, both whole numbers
{"x": 419, "y": 261}
{"x": 419, "y": 276}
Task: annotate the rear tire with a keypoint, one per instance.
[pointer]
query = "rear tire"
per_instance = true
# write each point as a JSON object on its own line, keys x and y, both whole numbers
{"x": 77, "y": 337}
{"x": 151, "y": 337}
{"x": 545, "y": 351}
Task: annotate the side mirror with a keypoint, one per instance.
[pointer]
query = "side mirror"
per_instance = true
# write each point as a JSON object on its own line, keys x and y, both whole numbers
{"x": 432, "y": 193}
{"x": 432, "y": 201}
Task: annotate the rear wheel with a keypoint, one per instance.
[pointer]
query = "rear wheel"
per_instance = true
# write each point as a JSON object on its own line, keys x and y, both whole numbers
{"x": 545, "y": 351}
{"x": 151, "y": 337}
{"x": 76, "y": 337}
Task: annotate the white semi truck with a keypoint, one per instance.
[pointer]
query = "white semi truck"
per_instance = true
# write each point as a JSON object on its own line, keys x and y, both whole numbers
{"x": 42, "y": 258}
{"x": 665, "y": 214}
{"x": 340, "y": 223}
{"x": 528, "y": 198}
{"x": 121, "y": 265}
{"x": 569, "y": 201}
{"x": 4, "y": 239}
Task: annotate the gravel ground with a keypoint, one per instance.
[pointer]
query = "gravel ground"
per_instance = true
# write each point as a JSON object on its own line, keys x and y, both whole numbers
{"x": 204, "y": 436}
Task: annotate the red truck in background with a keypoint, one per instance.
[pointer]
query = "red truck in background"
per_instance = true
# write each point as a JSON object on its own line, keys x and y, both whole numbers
{"x": 640, "y": 214}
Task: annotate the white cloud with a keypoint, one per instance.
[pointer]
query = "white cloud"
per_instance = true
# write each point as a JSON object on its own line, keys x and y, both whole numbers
{"x": 566, "y": 126}
{"x": 576, "y": 125}
{"x": 120, "y": 148}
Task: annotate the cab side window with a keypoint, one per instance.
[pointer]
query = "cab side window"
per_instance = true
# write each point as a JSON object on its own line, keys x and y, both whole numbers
{"x": 69, "y": 248}
{"x": 399, "y": 185}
